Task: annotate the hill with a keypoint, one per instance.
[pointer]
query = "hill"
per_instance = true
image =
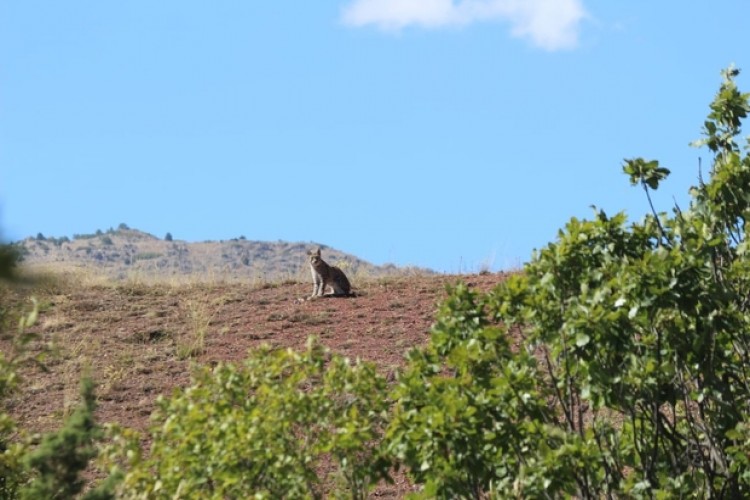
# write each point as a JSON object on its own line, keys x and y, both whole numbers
{"x": 139, "y": 341}
{"x": 126, "y": 253}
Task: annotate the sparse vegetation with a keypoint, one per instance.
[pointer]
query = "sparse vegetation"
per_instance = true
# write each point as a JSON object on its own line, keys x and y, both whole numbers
{"x": 146, "y": 256}
{"x": 199, "y": 313}
{"x": 119, "y": 254}
{"x": 53, "y": 467}
{"x": 85, "y": 236}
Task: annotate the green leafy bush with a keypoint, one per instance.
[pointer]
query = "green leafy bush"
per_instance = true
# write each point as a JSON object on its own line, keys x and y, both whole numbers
{"x": 271, "y": 428}
{"x": 10, "y": 256}
{"x": 470, "y": 418}
{"x": 57, "y": 463}
{"x": 12, "y": 472}
{"x": 631, "y": 375}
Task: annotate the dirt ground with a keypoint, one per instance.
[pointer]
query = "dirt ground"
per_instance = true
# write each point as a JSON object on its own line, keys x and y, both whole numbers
{"x": 139, "y": 341}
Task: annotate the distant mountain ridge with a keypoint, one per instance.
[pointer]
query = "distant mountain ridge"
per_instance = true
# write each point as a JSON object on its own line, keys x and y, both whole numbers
{"x": 126, "y": 253}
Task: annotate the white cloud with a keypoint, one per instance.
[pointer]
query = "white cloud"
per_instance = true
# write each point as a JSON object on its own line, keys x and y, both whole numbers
{"x": 550, "y": 24}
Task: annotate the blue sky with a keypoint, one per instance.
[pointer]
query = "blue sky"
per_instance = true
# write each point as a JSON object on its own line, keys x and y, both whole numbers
{"x": 452, "y": 135}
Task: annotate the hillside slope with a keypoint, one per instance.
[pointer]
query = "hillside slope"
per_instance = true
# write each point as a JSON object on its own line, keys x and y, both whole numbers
{"x": 139, "y": 341}
{"x": 132, "y": 254}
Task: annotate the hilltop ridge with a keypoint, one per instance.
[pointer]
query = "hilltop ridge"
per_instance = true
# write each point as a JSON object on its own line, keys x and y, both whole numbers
{"x": 126, "y": 253}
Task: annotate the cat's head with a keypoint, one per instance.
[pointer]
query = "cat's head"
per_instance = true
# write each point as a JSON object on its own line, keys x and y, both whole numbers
{"x": 314, "y": 255}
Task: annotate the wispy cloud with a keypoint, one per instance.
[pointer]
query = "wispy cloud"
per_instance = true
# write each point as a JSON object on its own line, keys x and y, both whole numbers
{"x": 549, "y": 24}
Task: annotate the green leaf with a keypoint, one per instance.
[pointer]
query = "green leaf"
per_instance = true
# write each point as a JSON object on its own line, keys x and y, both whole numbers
{"x": 582, "y": 339}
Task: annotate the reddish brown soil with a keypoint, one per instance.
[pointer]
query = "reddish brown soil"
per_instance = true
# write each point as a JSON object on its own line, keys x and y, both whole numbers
{"x": 139, "y": 341}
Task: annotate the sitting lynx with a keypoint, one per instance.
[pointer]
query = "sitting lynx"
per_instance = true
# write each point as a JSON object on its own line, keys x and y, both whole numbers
{"x": 325, "y": 275}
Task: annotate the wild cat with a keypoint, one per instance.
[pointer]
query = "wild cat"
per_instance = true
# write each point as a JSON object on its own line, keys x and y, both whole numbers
{"x": 325, "y": 275}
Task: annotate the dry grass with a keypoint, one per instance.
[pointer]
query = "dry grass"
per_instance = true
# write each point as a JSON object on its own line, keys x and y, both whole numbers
{"x": 134, "y": 256}
{"x": 199, "y": 312}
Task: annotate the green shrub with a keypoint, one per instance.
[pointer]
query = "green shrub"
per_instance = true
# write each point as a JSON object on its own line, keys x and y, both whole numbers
{"x": 10, "y": 256}
{"x": 12, "y": 473}
{"x": 630, "y": 378}
{"x": 57, "y": 463}
{"x": 266, "y": 429}
{"x": 146, "y": 256}
{"x": 470, "y": 418}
